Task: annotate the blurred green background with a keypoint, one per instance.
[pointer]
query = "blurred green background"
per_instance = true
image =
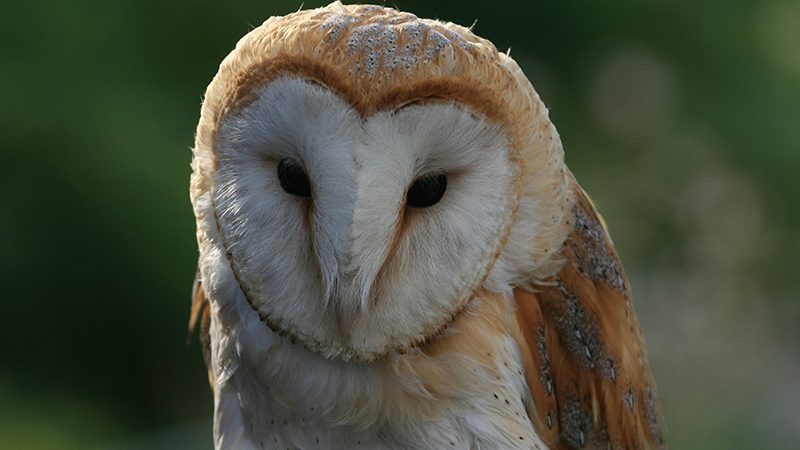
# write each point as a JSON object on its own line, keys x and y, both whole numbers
{"x": 681, "y": 118}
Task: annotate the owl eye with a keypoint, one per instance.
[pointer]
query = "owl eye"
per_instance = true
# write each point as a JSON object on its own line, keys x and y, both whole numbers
{"x": 427, "y": 190}
{"x": 293, "y": 178}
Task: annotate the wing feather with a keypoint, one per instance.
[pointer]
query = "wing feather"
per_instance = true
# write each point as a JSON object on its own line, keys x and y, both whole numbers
{"x": 588, "y": 371}
{"x": 201, "y": 315}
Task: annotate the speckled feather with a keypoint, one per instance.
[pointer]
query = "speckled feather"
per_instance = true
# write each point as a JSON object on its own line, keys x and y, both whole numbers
{"x": 591, "y": 383}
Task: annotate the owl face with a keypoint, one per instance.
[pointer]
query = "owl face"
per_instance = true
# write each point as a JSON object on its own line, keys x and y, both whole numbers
{"x": 363, "y": 171}
{"x": 358, "y": 235}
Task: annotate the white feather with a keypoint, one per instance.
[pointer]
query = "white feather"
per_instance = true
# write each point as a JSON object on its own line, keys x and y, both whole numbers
{"x": 257, "y": 247}
{"x": 303, "y": 276}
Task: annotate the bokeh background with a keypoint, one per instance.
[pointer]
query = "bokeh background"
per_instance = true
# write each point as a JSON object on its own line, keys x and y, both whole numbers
{"x": 680, "y": 117}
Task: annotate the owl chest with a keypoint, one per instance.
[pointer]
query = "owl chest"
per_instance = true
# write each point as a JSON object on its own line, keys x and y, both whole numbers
{"x": 297, "y": 400}
{"x": 459, "y": 424}
{"x": 464, "y": 390}
{"x": 287, "y": 431}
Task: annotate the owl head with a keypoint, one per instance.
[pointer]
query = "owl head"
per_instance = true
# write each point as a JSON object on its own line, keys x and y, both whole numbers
{"x": 360, "y": 173}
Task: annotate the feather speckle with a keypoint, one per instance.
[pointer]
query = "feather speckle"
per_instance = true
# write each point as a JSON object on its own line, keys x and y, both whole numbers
{"x": 575, "y": 422}
{"x": 376, "y": 44}
{"x": 652, "y": 418}
{"x": 580, "y": 333}
{"x": 545, "y": 376}
{"x": 335, "y": 25}
{"x": 593, "y": 254}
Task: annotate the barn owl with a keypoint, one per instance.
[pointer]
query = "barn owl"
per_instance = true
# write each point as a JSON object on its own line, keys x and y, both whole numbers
{"x": 393, "y": 253}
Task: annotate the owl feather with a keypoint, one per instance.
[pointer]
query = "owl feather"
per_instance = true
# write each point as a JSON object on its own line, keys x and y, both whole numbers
{"x": 393, "y": 253}
{"x": 584, "y": 349}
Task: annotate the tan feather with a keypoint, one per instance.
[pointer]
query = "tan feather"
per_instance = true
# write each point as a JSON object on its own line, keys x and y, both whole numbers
{"x": 201, "y": 314}
{"x": 591, "y": 383}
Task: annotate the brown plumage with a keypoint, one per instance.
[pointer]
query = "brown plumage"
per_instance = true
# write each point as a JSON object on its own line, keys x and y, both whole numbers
{"x": 200, "y": 314}
{"x": 585, "y": 360}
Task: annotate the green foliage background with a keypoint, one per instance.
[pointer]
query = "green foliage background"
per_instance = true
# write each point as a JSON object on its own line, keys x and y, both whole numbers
{"x": 681, "y": 118}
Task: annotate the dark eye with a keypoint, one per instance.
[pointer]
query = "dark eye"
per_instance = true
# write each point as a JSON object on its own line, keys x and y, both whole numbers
{"x": 427, "y": 190}
{"x": 293, "y": 178}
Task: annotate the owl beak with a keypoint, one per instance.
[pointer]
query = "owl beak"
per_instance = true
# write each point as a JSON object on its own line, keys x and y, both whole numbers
{"x": 354, "y": 229}
{"x": 346, "y": 305}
